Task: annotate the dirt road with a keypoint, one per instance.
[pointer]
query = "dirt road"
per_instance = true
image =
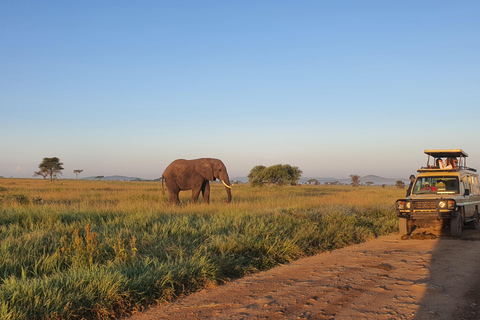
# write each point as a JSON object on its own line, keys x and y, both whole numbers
{"x": 386, "y": 278}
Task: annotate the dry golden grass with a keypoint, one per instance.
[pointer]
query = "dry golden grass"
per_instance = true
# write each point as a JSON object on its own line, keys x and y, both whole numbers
{"x": 113, "y": 247}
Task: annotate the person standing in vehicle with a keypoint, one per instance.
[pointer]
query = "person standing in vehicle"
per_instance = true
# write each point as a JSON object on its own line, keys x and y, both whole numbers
{"x": 412, "y": 180}
{"x": 442, "y": 165}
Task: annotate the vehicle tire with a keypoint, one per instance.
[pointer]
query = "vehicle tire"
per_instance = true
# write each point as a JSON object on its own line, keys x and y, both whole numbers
{"x": 456, "y": 224}
{"x": 475, "y": 223}
{"x": 403, "y": 226}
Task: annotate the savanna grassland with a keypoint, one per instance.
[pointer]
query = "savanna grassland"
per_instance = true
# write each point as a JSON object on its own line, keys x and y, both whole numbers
{"x": 101, "y": 249}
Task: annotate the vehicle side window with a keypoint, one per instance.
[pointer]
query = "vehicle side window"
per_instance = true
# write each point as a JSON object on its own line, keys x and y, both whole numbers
{"x": 465, "y": 184}
{"x": 474, "y": 185}
{"x": 478, "y": 186}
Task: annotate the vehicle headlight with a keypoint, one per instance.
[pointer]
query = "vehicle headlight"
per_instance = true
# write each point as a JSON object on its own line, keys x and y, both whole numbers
{"x": 451, "y": 204}
{"x": 446, "y": 204}
{"x": 400, "y": 205}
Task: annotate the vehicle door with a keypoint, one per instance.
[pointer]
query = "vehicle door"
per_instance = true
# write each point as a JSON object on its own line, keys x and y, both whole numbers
{"x": 469, "y": 208}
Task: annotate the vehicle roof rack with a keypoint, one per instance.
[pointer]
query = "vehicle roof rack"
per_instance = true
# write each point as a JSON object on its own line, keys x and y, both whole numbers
{"x": 446, "y": 153}
{"x": 433, "y": 169}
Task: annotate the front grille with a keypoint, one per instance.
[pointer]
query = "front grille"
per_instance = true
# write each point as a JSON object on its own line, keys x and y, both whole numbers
{"x": 424, "y": 205}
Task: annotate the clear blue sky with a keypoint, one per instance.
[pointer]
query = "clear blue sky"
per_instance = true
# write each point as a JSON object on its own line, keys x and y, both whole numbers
{"x": 333, "y": 87}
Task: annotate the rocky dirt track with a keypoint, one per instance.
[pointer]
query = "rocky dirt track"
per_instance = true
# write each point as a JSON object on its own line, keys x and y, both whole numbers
{"x": 386, "y": 278}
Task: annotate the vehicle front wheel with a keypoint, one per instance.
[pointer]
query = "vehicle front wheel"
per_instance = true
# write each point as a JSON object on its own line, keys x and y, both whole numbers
{"x": 456, "y": 225}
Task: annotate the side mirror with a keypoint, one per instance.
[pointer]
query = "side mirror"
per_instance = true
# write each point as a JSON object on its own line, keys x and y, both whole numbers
{"x": 467, "y": 192}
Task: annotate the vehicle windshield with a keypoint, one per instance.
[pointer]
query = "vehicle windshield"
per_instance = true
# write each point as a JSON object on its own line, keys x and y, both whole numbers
{"x": 436, "y": 185}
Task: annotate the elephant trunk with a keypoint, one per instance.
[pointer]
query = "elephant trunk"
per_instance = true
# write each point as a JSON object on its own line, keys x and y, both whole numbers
{"x": 229, "y": 194}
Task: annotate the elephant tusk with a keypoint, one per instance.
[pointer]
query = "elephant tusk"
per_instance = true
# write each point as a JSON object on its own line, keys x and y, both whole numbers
{"x": 226, "y": 185}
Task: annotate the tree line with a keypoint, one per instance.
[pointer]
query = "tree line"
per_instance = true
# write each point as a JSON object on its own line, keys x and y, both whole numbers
{"x": 279, "y": 174}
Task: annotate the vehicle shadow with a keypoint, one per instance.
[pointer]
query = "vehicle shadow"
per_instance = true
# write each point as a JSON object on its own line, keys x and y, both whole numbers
{"x": 452, "y": 289}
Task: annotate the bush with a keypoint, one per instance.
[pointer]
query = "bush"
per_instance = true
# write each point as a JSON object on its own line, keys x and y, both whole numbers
{"x": 278, "y": 174}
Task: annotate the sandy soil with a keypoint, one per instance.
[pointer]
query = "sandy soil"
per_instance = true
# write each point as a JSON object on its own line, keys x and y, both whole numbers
{"x": 386, "y": 278}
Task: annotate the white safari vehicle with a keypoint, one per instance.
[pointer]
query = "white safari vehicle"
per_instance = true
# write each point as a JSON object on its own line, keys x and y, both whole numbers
{"x": 445, "y": 191}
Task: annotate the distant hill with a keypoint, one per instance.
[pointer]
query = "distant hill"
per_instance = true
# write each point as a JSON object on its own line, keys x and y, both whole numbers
{"x": 114, "y": 178}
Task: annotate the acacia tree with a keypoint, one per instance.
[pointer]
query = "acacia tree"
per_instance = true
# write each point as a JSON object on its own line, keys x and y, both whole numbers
{"x": 77, "y": 172}
{"x": 279, "y": 174}
{"x": 51, "y": 166}
{"x": 355, "y": 180}
{"x": 400, "y": 184}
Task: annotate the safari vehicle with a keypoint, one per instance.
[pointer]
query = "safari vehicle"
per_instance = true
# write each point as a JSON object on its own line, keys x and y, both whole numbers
{"x": 447, "y": 194}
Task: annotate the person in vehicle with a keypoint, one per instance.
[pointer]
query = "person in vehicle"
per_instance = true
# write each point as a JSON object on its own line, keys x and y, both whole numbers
{"x": 429, "y": 188}
{"x": 439, "y": 163}
{"x": 449, "y": 164}
{"x": 452, "y": 162}
{"x": 442, "y": 165}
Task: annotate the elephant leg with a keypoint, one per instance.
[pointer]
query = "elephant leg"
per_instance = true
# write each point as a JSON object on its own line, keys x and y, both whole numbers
{"x": 173, "y": 191}
{"x": 195, "y": 194}
{"x": 206, "y": 191}
{"x": 174, "y": 199}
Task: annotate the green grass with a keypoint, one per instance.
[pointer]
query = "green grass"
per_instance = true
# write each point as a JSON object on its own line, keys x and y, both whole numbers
{"x": 99, "y": 249}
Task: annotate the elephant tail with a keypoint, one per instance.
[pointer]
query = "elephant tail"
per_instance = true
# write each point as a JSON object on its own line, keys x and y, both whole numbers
{"x": 163, "y": 190}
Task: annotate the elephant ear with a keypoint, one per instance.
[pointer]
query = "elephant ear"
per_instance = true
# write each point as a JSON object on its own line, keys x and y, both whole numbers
{"x": 206, "y": 170}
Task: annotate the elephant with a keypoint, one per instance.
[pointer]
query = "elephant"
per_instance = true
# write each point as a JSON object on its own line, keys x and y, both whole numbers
{"x": 195, "y": 175}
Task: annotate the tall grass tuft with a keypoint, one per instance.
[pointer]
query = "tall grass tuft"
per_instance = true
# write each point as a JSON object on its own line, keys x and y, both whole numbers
{"x": 101, "y": 249}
